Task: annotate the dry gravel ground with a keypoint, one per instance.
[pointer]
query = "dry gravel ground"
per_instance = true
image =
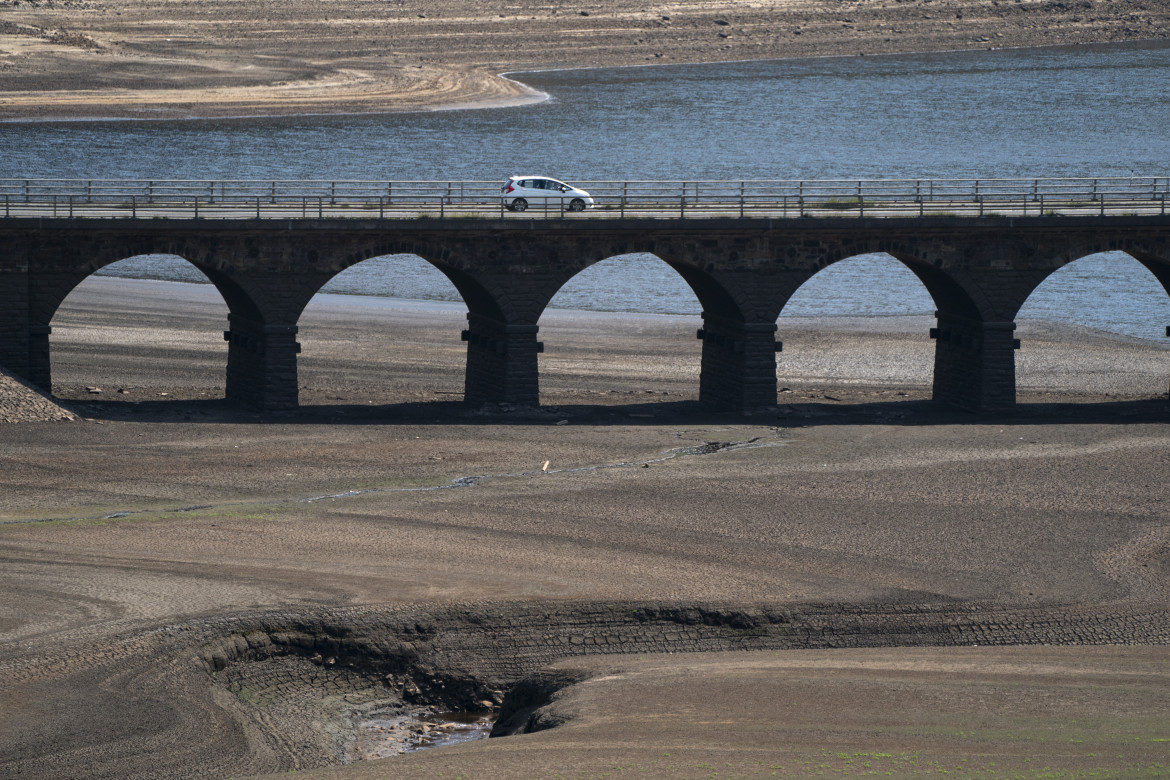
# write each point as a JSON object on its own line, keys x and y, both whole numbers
{"x": 164, "y": 518}
{"x": 969, "y": 712}
{"x": 150, "y": 58}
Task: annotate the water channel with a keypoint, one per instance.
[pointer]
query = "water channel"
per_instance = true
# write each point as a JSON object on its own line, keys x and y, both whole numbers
{"x": 1078, "y": 112}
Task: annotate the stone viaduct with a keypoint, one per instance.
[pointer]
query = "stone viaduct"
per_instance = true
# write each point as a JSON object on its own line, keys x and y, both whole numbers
{"x": 979, "y": 271}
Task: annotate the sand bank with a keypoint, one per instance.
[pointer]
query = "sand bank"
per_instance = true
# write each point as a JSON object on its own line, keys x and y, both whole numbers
{"x": 198, "y": 58}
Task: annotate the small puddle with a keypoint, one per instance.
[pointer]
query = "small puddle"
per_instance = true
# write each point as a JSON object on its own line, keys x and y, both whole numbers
{"x": 389, "y": 734}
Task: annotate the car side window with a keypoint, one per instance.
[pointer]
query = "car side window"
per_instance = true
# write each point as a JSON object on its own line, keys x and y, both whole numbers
{"x": 526, "y": 183}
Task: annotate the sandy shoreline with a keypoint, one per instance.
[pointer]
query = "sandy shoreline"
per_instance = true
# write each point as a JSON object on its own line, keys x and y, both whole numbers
{"x": 188, "y": 58}
{"x": 195, "y": 590}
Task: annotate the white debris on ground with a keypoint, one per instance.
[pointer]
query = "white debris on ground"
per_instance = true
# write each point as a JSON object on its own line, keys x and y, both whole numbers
{"x": 394, "y": 734}
{"x": 21, "y": 402}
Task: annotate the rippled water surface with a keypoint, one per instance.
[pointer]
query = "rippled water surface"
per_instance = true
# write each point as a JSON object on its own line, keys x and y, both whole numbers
{"x": 1084, "y": 111}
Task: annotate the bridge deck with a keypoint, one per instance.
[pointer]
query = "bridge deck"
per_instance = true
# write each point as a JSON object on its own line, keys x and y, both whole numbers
{"x": 781, "y": 199}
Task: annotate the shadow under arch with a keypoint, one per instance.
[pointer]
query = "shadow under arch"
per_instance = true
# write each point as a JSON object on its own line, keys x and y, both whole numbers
{"x": 400, "y": 315}
{"x": 1096, "y": 327}
{"x": 148, "y": 362}
{"x": 602, "y": 316}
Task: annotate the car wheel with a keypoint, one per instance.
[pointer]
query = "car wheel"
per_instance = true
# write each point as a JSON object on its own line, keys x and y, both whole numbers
{"x": 576, "y": 204}
{"x": 519, "y": 204}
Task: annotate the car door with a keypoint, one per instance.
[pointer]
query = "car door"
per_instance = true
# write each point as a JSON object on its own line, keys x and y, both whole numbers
{"x": 531, "y": 190}
{"x": 554, "y": 192}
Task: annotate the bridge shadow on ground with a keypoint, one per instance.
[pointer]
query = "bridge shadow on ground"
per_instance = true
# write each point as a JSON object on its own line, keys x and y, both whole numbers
{"x": 795, "y": 415}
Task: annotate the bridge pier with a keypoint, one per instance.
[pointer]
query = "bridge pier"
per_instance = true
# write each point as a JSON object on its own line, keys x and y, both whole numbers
{"x": 262, "y": 364}
{"x": 739, "y": 363}
{"x": 501, "y": 361}
{"x": 15, "y": 349}
{"x": 975, "y": 363}
{"x": 40, "y": 369}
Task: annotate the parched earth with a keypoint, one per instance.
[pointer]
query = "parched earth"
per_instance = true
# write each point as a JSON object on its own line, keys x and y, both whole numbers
{"x": 179, "y": 58}
{"x": 853, "y": 582}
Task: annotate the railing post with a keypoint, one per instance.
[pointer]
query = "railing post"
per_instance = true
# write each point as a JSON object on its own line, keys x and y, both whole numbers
{"x": 257, "y": 207}
{"x": 320, "y": 208}
{"x": 381, "y": 207}
{"x": 196, "y": 207}
{"x": 133, "y": 207}
{"x": 741, "y": 200}
{"x": 273, "y": 195}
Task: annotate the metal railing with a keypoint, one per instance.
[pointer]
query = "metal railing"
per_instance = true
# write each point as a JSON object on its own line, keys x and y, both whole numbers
{"x": 288, "y": 199}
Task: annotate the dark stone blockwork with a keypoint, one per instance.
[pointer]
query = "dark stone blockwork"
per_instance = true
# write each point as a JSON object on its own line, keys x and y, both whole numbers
{"x": 978, "y": 270}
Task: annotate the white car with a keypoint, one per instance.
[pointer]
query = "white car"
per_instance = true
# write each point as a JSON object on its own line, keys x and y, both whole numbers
{"x": 520, "y": 192}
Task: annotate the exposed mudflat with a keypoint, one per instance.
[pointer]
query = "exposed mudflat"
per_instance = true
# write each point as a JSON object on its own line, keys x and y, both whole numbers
{"x": 182, "y": 58}
{"x": 195, "y": 590}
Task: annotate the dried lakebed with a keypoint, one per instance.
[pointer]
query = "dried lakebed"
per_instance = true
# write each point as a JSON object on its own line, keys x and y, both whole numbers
{"x": 706, "y": 448}
{"x": 308, "y": 688}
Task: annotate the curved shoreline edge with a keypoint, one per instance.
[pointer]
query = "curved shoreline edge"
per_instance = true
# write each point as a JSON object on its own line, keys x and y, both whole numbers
{"x": 525, "y": 94}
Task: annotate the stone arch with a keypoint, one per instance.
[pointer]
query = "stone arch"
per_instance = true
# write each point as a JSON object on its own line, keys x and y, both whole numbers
{"x": 1116, "y": 294}
{"x": 1156, "y": 263}
{"x": 973, "y": 357}
{"x": 716, "y": 294}
{"x": 479, "y": 295}
{"x": 950, "y": 289}
{"x": 623, "y": 283}
{"x": 376, "y": 334}
{"x": 866, "y": 284}
{"x": 54, "y": 287}
{"x": 738, "y": 341}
